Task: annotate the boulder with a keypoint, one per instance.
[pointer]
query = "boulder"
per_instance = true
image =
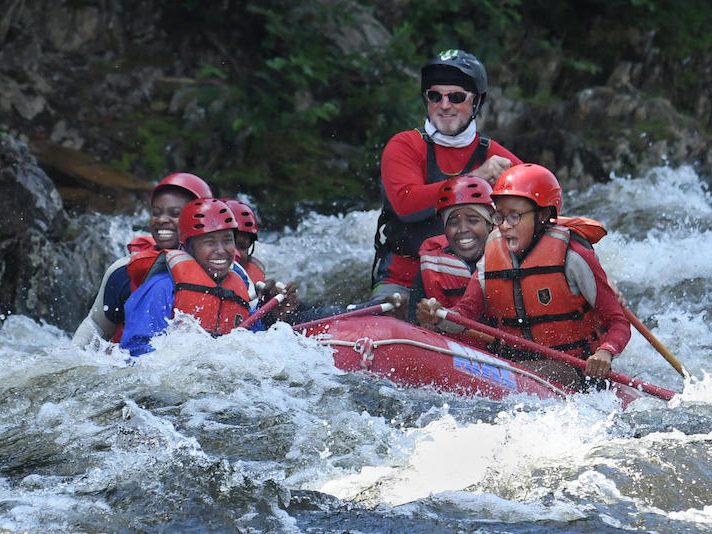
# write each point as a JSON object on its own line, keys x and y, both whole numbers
{"x": 600, "y": 131}
{"x": 27, "y": 192}
{"x": 44, "y": 274}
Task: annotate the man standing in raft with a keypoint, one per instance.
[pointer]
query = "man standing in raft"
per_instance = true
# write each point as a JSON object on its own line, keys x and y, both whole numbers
{"x": 541, "y": 281}
{"x": 453, "y": 87}
{"x": 198, "y": 280}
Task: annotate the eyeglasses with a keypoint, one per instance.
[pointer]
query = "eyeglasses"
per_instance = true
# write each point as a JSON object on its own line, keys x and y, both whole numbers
{"x": 513, "y": 219}
{"x": 456, "y": 97}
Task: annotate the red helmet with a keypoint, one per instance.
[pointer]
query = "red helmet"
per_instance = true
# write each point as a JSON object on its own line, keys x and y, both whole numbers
{"x": 190, "y": 182}
{"x": 464, "y": 190}
{"x": 245, "y": 217}
{"x": 203, "y": 216}
{"x": 531, "y": 181}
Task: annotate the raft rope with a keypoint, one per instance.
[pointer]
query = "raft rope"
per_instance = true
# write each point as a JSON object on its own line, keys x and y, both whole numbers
{"x": 366, "y": 346}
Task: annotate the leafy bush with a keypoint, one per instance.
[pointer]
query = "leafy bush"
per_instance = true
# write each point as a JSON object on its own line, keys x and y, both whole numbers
{"x": 301, "y": 113}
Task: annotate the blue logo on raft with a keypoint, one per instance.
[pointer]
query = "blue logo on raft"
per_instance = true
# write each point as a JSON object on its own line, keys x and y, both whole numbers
{"x": 483, "y": 370}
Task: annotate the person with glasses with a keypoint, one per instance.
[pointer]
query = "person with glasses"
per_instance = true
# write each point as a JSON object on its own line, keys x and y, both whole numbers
{"x": 447, "y": 261}
{"x": 541, "y": 281}
{"x": 414, "y": 162}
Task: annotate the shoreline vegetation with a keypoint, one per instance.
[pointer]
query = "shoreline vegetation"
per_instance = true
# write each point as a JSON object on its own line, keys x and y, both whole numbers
{"x": 292, "y": 102}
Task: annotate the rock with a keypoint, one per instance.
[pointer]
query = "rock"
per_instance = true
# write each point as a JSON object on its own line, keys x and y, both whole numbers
{"x": 27, "y": 192}
{"x": 361, "y": 33}
{"x": 69, "y": 29}
{"x": 14, "y": 96}
{"x": 43, "y": 274}
{"x": 67, "y": 137}
{"x": 604, "y": 130}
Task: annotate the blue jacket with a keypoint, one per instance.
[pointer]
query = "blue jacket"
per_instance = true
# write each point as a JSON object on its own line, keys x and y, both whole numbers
{"x": 147, "y": 311}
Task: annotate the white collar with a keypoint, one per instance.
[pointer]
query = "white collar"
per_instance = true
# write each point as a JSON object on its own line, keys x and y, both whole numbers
{"x": 464, "y": 138}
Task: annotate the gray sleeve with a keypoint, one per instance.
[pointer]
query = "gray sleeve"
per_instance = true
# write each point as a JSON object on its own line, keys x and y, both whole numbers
{"x": 580, "y": 277}
{"x": 96, "y": 323}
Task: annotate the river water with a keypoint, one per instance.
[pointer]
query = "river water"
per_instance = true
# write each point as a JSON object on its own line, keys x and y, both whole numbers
{"x": 261, "y": 433}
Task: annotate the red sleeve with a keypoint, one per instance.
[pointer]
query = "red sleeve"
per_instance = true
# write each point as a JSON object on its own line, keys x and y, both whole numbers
{"x": 404, "y": 167}
{"x": 472, "y": 303}
{"x": 605, "y": 302}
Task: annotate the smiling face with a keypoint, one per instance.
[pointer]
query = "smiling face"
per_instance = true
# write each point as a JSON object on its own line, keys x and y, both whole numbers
{"x": 165, "y": 211}
{"x": 449, "y": 118}
{"x": 214, "y": 252}
{"x": 466, "y": 232}
{"x": 520, "y": 236}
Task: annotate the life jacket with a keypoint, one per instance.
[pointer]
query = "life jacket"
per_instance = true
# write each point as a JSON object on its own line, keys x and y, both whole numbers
{"x": 219, "y": 308}
{"x": 445, "y": 275}
{"x": 590, "y": 229}
{"x": 404, "y": 239}
{"x": 143, "y": 255}
{"x": 140, "y": 264}
{"x": 142, "y": 242}
{"x": 255, "y": 270}
{"x": 533, "y": 299}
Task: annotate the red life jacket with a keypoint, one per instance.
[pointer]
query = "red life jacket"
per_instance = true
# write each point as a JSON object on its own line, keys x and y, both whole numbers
{"x": 142, "y": 242}
{"x": 590, "y": 229}
{"x": 219, "y": 308}
{"x": 533, "y": 300}
{"x": 140, "y": 264}
{"x": 445, "y": 275}
{"x": 255, "y": 270}
{"x": 138, "y": 245}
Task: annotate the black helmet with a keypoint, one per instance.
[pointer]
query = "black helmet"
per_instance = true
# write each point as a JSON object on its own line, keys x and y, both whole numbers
{"x": 456, "y": 67}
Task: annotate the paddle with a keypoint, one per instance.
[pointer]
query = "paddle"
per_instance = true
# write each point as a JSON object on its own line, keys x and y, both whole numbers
{"x": 267, "y": 307}
{"x": 368, "y": 310}
{"x": 518, "y": 342}
{"x": 656, "y": 344}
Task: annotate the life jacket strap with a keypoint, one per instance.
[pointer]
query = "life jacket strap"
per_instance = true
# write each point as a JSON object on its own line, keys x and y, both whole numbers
{"x": 513, "y": 274}
{"x": 217, "y": 291}
{"x": 524, "y": 322}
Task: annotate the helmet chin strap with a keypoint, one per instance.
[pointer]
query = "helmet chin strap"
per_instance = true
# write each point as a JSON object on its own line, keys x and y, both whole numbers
{"x": 466, "y": 126}
{"x": 540, "y": 226}
{"x": 477, "y": 107}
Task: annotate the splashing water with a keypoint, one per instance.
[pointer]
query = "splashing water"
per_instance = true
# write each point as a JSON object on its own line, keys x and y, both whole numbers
{"x": 261, "y": 433}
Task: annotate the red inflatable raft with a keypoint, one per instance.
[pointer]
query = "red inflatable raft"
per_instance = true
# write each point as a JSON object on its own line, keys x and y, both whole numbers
{"x": 415, "y": 357}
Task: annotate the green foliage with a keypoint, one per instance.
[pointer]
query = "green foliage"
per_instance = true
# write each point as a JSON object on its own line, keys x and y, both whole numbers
{"x": 211, "y": 71}
{"x": 148, "y": 146}
{"x": 307, "y": 98}
{"x": 481, "y": 27}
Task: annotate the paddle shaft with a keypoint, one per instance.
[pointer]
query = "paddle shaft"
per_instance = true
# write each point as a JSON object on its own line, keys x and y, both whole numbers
{"x": 517, "y": 342}
{"x": 263, "y": 310}
{"x": 369, "y": 310}
{"x": 647, "y": 334}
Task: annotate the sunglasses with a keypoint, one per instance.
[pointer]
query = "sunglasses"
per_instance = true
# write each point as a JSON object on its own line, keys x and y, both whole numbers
{"x": 456, "y": 97}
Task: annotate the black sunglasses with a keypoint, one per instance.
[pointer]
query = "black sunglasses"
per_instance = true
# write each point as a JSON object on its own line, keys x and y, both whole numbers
{"x": 456, "y": 97}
